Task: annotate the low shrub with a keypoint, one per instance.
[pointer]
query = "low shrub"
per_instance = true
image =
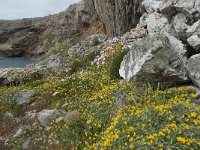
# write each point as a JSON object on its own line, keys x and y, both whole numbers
{"x": 116, "y": 60}
{"x": 82, "y": 63}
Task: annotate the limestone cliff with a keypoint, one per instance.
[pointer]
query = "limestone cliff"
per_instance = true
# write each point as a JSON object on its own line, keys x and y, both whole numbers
{"x": 118, "y": 15}
{"x": 36, "y": 36}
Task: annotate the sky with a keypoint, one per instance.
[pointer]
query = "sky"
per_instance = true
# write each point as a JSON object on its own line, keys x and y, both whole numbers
{"x": 18, "y": 9}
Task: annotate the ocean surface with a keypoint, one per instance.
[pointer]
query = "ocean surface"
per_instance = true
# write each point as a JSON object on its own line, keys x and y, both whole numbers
{"x": 12, "y": 62}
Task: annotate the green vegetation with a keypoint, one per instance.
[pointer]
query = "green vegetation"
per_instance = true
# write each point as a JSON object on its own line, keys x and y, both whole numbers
{"x": 82, "y": 62}
{"x": 116, "y": 61}
{"x": 115, "y": 114}
{"x": 57, "y": 50}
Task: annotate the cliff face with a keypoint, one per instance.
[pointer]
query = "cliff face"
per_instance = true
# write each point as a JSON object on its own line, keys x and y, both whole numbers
{"x": 119, "y": 15}
{"x": 38, "y": 35}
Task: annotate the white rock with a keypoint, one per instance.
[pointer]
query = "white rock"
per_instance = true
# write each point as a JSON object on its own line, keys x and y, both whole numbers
{"x": 24, "y": 96}
{"x": 25, "y": 145}
{"x": 9, "y": 76}
{"x": 193, "y": 68}
{"x": 152, "y": 5}
{"x": 53, "y": 61}
{"x": 45, "y": 116}
{"x": 179, "y": 23}
{"x": 155, "y": 58}
{"x": 193, "y": 29}
{"x": 194, "y": 41}
{"x": 158, "y": 23}
{"x": 18, "y": 133}
{"x": 31, "y": 114}
{"x": 59, "y": 119}
{"x": 55, "y": 94}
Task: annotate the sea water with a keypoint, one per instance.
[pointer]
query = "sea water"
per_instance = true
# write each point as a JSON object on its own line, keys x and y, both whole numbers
{"x": 13, "y": 62}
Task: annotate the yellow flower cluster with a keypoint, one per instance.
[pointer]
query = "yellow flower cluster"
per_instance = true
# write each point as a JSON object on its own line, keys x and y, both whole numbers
{"x": 115, "y": 114}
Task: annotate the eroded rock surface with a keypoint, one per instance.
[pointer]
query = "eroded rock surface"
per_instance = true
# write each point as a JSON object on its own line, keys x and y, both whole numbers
{"x": 155, "y": 58}
{"x": 13, "y": 76}
{"x": 172, "y": 36}
{"x": 38, "y": 35}
{"x": 24, "y": 96}
{"x": 54, "y": 61}
{"x": 119, "y": 15}
{"x": 193, "y": 67}
{"x": 46, "y": 116}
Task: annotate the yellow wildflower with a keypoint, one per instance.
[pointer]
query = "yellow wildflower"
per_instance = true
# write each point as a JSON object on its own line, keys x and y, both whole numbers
{"x": 130, "y": 129}
{"x": 161, "y": 133}
{"x": 131, "y": 140}
{"x": 193, "y": 114}
{"x": 181, "y": 140}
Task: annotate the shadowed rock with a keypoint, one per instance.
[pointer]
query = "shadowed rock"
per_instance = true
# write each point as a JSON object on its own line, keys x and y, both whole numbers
{"x": 193, "y": 68}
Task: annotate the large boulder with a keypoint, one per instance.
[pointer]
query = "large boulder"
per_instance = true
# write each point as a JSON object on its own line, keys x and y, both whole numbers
{"x": 193, "y": 68}
{"x": 45, "y": 116}
{"x": 134, "y": 35}
{"x": 155, "y": 58}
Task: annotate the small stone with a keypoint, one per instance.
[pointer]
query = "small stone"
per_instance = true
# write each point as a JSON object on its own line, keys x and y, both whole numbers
{"x": 45, "y": 116}
{"x": 30, "y": 114}
{"x": 6, "y": 142}
{"x": 24, "y": 96}
{"x": 47, "y": 128}
{"x": 59, "y": 119}
{"x": 62, "y": 80}
{"x": 55, "y": 94}
{"x": 25, "y": 145}
{"x": 18, "y": 133}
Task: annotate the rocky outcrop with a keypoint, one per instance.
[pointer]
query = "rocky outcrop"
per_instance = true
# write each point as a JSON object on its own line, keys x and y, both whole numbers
{"x": 54, "y": 61}
{"x": 177, "y": 18}
{"x": 119, "y": 15}
{"x": 15, "y": 76}
{"x": 46, "y": 116}
{"x": 24, "y": 96}
{"x": 173, "y": 36}
{"x": 38, "y": 35}
{"x": 20, "y": 40}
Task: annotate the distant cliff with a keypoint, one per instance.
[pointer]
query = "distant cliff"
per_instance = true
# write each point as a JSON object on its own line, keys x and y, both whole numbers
{"x": 36, "y": 36}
